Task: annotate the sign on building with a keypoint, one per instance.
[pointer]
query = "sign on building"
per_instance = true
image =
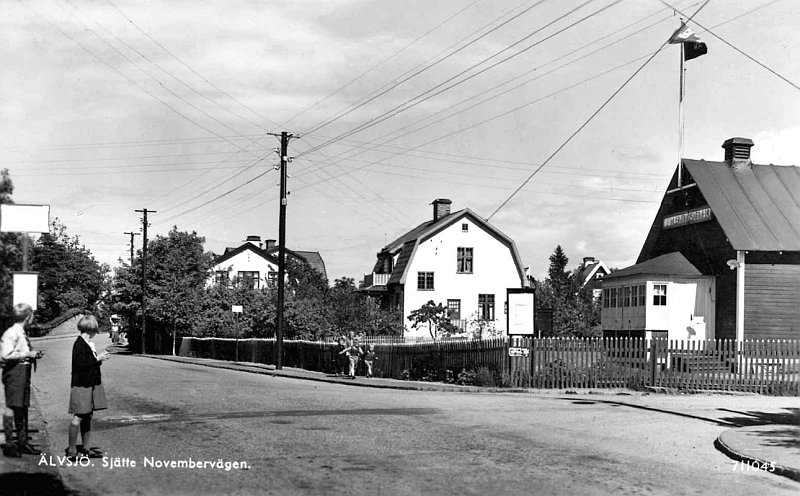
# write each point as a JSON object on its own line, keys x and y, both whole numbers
{"x": 520, "y": 315}
{"x": 690, "y": 217}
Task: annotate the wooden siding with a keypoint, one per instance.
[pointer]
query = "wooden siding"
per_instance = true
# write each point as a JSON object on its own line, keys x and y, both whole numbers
{"x": 772, "y": 302}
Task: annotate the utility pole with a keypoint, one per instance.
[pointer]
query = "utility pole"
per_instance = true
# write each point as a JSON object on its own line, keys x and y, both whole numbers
{"x": 132, "y": 235}
{"x": 285, "y": 137}
{"x": 144, "y": 211}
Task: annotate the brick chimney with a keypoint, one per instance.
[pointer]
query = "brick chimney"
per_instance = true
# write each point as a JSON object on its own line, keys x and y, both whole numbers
{"x": 269, "y": 243}
{"x": 441, "y": 208}
{"x": 587, "y": 261}
{"x": 737, "y": 152}
{"x": 254, "y": 239}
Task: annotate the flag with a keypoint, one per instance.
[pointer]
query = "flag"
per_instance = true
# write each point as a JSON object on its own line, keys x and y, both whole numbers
{"x": 692, "y": 46}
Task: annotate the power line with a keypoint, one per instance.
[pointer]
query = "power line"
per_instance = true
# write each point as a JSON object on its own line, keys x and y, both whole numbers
{"x": 425, "y": 68}
{"x": 489, "y": 98}
{"x": 586, "y": 123}
{"x": 420, "y": 98}
{"x": 395, "y": 54}
{"x": 753, "y": 59}
{"x": 190, "y": 68}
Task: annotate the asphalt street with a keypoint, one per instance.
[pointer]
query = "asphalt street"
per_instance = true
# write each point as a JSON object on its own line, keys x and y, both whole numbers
{"x": 300, "y": 437}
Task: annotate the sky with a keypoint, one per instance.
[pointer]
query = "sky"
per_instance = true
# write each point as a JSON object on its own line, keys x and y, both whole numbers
{"x": 109, "y": 106}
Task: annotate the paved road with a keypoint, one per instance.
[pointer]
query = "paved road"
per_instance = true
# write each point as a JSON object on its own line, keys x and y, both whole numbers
{"x": 300, "y": 437}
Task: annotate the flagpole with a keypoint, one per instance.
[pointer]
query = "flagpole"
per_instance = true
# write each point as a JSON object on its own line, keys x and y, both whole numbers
{"x": 681, "y": 91}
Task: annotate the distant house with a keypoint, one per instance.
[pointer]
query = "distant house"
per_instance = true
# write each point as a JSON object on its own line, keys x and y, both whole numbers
{"x": 589, "y": 275}
{"x": 457, "y": 259}
{"x": 256, "y": 265}
{"x": 722, "y": 258}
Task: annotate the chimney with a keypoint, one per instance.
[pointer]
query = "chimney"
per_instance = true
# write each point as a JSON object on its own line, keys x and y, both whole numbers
{"x": 587, "y": 261}
{"x": 256, "y": 240}
{"x": 737, "y": 152}
{"x": 441, "y": 208}
{"x": 269, "y": 243}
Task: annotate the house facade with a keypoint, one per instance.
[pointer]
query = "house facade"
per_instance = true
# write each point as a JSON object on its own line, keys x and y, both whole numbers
{"x": 456, "y": 259}
{"x": 590, "y": 274}
{"x": 738, "y": 224}
{"x": 255, "y": 264}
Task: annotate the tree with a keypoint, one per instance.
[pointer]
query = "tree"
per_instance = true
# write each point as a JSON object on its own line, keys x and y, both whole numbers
{"x": 434, "y": 315}
{"x": 574, "y": 311}
{"x": 69, "y": 275}
{"x": 10, "y": 254}
{"x": 177, "y": 271}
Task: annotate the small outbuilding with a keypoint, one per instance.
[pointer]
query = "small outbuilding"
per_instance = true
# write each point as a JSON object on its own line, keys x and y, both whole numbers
{"x": 727, "y": 232}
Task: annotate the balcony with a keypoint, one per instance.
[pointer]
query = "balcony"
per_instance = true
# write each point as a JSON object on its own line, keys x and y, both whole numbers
{"x": 372, "y": 280}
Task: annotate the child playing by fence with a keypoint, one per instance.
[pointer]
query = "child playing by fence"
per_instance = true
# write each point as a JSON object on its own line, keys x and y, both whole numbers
{"x": 340, "y": 361}
{"x": 369, "y": 357}
{"x": 353, "y": 353}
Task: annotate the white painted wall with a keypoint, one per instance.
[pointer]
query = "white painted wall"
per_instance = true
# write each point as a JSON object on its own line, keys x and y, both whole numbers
{"x": 246, "y": 261}
{"x": 688, "y": 314}
{"x": 493, "y": 272}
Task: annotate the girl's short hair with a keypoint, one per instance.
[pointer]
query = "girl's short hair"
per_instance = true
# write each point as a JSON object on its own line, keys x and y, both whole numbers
{"x": 88, "y": 324}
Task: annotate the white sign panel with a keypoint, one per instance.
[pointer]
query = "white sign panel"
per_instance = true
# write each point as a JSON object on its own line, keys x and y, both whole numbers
{"x": 519, "y": 352}
{"x": 520, "y": 313}
{"x": 25, "y": 288}
{"x": 237, "y": 308}
{"x": 25, "y": 218}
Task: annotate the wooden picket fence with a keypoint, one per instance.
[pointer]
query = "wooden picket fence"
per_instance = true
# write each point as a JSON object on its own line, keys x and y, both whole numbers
{"x": 763, "y": 366}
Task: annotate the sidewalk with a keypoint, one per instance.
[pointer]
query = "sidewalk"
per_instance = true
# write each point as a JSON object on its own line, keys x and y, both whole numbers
{"x": 774, "y": 448}
{"x": 771, "y": 448}
{"x": 25, "y": 475}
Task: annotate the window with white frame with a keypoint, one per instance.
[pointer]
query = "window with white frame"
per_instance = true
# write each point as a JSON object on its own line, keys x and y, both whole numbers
{"x": 626, "y": 296}
{"x": 464, "y": 260}
{"x": 659, "y": 294}
{"x": 486, "y": 306}
{"x": 464, "y": 227}
{"x": 248, "y": 279}
{"x": 425, "y": 281}
{"x": 454, "y": 309}
{"x": 221, "y": 278}
{"x": 634, "y": 295}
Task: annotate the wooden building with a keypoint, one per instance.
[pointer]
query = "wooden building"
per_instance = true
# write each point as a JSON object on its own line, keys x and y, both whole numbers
{"x": 737, "y": 223}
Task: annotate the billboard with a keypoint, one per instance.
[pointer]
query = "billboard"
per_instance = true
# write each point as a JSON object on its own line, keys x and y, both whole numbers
{"x": 24, "y": 218}
{"x": 520, "y": 315}
{"x": 25, "y": 285}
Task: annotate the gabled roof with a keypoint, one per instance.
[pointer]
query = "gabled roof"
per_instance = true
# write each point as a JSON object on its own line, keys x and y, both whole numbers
{"x": 757, "y": 206}
{"x": 232, "y": 252}
{"x": 406, "y": 244}
{"x": 670, "y": 264}
{"x": 312, "y": 258}
{"x": 586, "y": 274}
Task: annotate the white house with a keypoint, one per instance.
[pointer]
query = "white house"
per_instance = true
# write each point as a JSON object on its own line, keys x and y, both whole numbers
{"x": 456, "y": 259}
{"x": 665, "y": 297}
{"x": 256, "y": 264}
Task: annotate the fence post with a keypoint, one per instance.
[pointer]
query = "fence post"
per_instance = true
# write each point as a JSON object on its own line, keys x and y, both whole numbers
{"x": 653, "y": 361}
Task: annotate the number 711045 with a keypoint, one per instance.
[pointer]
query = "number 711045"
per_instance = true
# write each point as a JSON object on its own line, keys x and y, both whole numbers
{"x": 752, "y": 465}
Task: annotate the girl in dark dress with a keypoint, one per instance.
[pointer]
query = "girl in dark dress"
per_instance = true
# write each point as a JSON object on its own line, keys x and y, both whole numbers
{"x": 86, "y": 394}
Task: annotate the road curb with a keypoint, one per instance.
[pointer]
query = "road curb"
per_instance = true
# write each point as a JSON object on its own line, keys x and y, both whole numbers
{"x": 396, "y": 384}
{"x": 249, "y": 368}
{"x": 733, "y": 453}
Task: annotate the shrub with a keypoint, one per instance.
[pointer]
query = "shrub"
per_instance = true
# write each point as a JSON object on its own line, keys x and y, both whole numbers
{"x": 485, "y": 377}
{"x": 466, "y": 377}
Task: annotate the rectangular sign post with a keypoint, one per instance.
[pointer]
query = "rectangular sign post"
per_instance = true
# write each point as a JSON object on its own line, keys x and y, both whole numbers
{"x": 520, "y": 318}
{"x": 24, "y": 288}
{"x": 237, "y": 310}
{"x": 25, "y": 219}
